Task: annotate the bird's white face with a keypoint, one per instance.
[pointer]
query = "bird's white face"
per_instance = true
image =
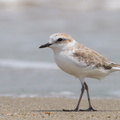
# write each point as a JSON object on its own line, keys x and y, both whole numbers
{"x": 59, "y": 41}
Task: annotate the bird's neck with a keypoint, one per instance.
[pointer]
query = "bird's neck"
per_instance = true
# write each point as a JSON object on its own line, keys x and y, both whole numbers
{"x": 63, "y": 48}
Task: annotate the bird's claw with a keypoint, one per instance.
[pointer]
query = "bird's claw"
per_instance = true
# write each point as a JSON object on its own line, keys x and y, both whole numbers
{"x": 89, "y": 109}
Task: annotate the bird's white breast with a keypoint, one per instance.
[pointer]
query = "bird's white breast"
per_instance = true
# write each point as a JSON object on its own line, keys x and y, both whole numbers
{"x": 67, "y": 64}
{"x": 70, "y": 66}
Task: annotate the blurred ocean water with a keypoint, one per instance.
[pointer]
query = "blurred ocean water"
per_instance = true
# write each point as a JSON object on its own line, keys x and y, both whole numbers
{"x": 26, "y": 70}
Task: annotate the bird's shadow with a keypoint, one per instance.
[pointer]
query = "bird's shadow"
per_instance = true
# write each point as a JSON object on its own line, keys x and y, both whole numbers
{"x": 47, "y": 111}
{"x": 74, "y": 111}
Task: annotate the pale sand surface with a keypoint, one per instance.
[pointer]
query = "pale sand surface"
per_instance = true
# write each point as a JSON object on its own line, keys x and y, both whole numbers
{"x": 51, "y": 109}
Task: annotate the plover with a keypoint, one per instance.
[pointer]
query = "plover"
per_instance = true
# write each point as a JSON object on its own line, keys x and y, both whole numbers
{"x": 79, "y": 61}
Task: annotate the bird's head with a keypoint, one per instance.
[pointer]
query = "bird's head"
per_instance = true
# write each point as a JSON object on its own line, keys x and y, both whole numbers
{"x": 59, "y": 41}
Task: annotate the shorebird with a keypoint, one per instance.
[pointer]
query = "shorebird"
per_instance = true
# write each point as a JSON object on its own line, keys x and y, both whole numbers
{"x": 79, "y": 61}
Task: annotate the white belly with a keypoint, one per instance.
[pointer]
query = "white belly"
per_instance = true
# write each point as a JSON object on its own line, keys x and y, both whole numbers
{"x": 69, "y": 66}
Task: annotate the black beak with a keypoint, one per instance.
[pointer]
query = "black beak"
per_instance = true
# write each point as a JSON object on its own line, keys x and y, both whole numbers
{"x": 45, "y": 45}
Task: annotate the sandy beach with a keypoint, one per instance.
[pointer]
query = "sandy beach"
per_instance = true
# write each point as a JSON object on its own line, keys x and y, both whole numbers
{"x": 51, "y": 109}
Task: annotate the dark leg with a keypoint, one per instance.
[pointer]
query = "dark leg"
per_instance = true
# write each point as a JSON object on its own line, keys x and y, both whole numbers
{"x": 90, "y": 106}
{"x": 77, "y": 107}
{"x": 82, "y": 92}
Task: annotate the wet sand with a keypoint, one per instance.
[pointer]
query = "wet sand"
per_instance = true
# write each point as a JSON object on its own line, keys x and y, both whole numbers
{"x": 51, "y": 109}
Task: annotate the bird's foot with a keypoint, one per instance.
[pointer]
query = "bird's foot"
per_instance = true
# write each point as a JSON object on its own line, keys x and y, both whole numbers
{"x": 89, "y": 109}
{"x": 75, "y": 110}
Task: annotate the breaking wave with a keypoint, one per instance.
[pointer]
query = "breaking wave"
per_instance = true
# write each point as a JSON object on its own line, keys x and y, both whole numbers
{"x": 16, "y": 64}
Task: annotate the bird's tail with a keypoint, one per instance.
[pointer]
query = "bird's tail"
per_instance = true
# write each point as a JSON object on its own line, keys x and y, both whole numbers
{"x": 115, "y": 67}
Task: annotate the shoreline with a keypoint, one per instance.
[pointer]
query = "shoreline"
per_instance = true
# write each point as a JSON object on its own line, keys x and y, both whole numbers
{"x": 51, "y": 108}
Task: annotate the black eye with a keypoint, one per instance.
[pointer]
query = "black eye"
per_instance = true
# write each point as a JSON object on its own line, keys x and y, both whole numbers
{"x": 59, "y": 39}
